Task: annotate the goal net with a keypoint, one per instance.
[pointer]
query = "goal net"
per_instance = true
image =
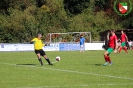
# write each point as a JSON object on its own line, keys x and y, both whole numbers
{"x": 68, "y": 37}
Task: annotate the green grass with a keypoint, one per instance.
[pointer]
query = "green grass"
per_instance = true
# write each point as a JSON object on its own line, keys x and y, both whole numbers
{"x": 75, "y": 70}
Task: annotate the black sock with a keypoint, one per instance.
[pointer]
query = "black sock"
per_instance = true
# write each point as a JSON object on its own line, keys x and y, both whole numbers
{"x": 40, "y": 60}
{"x": 47, "y": 59}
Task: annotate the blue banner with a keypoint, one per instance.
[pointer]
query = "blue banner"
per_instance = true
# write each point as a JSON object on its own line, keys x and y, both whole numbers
{"x": 69, "y": 46}
{"x": 2, "y": 46}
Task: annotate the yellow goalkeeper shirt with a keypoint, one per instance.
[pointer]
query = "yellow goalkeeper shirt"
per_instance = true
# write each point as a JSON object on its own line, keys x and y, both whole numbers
{"x": 37, "y": 43}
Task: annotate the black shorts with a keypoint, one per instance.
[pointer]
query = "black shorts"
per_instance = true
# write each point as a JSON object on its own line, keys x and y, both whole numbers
{"x": 41, "y": 52}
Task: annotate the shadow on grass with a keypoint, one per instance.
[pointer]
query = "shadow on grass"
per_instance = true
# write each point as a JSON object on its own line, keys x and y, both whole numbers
{"x": 98, "y": 64}
{"x": 95, "y": 64}
{"x": 27, "y": 64}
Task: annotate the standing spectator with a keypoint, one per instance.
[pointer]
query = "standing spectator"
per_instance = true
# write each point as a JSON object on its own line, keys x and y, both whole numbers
{"x": 130, "y": 44}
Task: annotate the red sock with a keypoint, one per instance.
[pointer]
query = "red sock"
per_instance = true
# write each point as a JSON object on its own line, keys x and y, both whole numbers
{"x": 109, "y": 59}
{"x": 125, "y": 49}
{"x": 120, "y": 49}
{"x": 106, "y": 58}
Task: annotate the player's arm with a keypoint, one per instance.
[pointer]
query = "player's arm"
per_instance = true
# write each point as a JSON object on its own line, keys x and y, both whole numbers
{"x": 32, "y": 41}
{"x": 108, "y": 36}
{"x": 47, "y": 44}
{"x": 116, "y": 45}
{"x": 84, "y": 41}
{"x": 43, "y": 45}
{"x": 77, "y": 40}
{"x": 126, "y": 38}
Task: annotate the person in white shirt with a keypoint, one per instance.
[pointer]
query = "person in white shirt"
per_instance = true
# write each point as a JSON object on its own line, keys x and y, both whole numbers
{"x": 130, "y": 44}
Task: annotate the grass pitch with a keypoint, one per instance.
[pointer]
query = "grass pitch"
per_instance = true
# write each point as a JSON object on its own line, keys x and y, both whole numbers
{"x": 75, "y": 70}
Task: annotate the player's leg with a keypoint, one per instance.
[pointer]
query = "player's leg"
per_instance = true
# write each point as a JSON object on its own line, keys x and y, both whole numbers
{"x": 46, "y": 58}
{"x": 106, "y": 56}
{"x": 39, "y": 56}
{"x": 81, "y": 48}
{"x": 124, "y": 47}
{"x": 120, "y": 49}
{"x": 130, "y": 47}
{"x": 110, "y": 62}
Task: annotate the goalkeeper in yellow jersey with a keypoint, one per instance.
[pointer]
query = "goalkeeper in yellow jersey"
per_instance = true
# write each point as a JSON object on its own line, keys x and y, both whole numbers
{"x": 38, "y": 49}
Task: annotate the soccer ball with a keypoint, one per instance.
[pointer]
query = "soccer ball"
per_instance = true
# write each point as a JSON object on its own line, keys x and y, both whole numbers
{"x": 58, "y": 58}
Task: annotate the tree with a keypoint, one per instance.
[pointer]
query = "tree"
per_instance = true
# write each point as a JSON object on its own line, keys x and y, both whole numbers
{"x": 96, "y": 23}
{"x": 20, "y": 20}
{"x": 75, "y": 6}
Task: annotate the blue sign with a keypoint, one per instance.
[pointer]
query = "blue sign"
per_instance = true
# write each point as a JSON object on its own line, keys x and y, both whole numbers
{"x": 2, "y": 46}
{"x": 69, "y": 46}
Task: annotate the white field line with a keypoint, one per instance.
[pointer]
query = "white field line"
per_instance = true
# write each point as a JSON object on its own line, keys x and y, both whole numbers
{"x": 85, "y": 85}
{"x": 55, "y": 61}
{"x": 77, "y": 72}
